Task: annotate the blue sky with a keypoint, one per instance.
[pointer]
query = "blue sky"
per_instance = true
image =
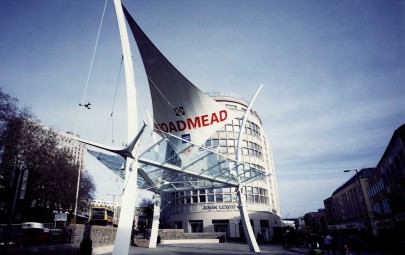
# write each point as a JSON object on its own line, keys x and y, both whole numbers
{"x": 333, "y": 74}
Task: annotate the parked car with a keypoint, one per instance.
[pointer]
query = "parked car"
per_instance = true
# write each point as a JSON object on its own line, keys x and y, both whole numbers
{"x": 31, "y": 233}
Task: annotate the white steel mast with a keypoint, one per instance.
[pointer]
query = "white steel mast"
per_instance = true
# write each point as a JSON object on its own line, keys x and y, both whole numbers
{"x": 122, "y": 240}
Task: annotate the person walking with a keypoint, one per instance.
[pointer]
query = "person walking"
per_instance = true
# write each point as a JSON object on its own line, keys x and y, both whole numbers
{"x": 260, "y": 238}
{"x": 328, "y": 242}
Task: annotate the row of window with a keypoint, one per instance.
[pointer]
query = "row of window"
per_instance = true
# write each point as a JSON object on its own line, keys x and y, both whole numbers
{"x": 394, "y": 169}
{"x": 251, "y": 128}
{"x": 219, "y": 195}
{"x": 251, "y": 170}
{"x": 376, "y": 188}
{"x": 196, "y": 226}
{"x": 228, "y": 146}
{"x": 382, "y": 207}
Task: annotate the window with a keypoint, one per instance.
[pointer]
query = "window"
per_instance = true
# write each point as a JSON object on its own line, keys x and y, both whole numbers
{"x": 218, "y": 198}
{"x": 227, "y": 198}
{"x": 223, "y": 149}
{"x": 221, "y": 226}
{"x": 196, "y": 226}
{"x": 178, "y": 224}
{"x": 245, "y": 151}
{"x": 386, "y": 206}
{"x": 211, "y": 195}
{"x": 231, "y": 106}
{"x": 226, "y": 190}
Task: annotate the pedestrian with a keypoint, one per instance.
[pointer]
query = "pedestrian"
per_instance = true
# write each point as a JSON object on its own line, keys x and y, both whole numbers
{"x": 354, "y": 243}
{"x": 315, "y": 248}
{"x": 260, "y": 238}
{"x": 347, "y": 250}
{"x": 328, "y": 242}
{"x": 339, "y": 244}
{"x": 133, "y": 234}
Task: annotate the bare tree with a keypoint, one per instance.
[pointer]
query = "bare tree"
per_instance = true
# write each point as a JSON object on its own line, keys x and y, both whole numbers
{"x": 147, "y": 205}
{"x": 11, "y": 119}
{"x": 27, "y": 148}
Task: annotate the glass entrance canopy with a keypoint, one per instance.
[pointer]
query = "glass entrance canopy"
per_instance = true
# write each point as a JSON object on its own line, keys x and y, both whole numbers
{"x": 195, "y": 167}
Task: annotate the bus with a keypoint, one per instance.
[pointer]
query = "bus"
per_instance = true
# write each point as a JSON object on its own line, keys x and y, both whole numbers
{"x": 101, "y": 215}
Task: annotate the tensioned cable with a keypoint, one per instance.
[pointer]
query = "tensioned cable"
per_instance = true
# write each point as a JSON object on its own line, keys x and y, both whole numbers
{"x": 91, "y": 66}
{"x": 160, "y": 92}
{"x": 113, "y": 105}
{"x": 115, "y": 97}
{"x": 139, "y": 99}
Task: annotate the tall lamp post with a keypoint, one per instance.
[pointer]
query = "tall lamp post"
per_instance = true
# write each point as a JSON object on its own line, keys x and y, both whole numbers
{"x": 362, "y": 193}
{"x": 86, "y": 106}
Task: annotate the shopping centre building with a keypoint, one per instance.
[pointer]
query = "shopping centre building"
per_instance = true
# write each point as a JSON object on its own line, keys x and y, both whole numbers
{"x": 216, "y": 209}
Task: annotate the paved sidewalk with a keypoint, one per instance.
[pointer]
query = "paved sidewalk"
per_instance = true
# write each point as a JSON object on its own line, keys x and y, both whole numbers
{"x": 209, "y": 249}
{"x": 202, "y": 249}
{"x": 171, "y": 249}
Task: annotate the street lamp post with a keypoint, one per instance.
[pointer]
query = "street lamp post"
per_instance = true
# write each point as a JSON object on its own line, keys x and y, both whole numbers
{"x": 86, "y": 106}
{"x": 362, "y": 193}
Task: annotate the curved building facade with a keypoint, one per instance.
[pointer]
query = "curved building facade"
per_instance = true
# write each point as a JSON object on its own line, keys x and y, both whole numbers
{"x": 216, "y": 209}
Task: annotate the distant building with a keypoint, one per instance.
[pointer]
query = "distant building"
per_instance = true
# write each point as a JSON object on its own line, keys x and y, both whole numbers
{"x": 75, "y": 148}
{"x": 386, "y": 189}
{"x": 288, "y": 223}
{"x": 67, "y": 141}
{"x": 373, "y": 199}
{"x": 316, "y": 221}
{"x": 348, "y": 207}
{"x": 299, "y": 222}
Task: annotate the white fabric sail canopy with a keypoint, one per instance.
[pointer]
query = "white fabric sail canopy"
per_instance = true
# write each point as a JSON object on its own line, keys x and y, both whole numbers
{"x": 179, "y": 107}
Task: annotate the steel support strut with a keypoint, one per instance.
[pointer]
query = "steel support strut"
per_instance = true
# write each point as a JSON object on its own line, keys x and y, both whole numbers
{"x": 155, "y": 222}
